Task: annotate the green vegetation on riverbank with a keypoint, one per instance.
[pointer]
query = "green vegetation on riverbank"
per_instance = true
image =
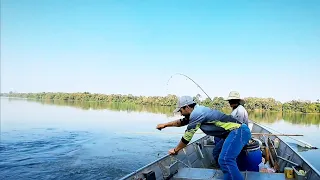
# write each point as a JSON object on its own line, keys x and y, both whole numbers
{"x": 252, "y": 103}
{"x": 261, "y": 117}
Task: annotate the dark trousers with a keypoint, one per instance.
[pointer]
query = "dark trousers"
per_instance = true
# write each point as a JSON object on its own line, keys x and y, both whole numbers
{"x": 217, "y": 148}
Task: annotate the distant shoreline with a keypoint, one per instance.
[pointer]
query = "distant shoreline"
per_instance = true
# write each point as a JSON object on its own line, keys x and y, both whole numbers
{"x": 252, "y": 103}
{"x": 105, "y": 102}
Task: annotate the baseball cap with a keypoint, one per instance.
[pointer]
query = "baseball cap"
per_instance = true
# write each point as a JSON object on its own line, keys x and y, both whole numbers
{"x": 183, "y": 101}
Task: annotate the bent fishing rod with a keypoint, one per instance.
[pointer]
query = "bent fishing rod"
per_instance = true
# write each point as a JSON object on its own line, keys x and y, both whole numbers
{"x": 192, "y": 81}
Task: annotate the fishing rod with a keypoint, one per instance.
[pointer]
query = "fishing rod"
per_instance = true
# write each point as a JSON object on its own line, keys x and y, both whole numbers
{"x": 192, "y": 81}
{"x": 212, "y": 101}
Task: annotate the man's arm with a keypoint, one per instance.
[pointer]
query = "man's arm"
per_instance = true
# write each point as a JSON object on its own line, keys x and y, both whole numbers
{"x": 192, "y": 128}
{"x": 177, "y": 123}
{"x": 186, "y": 138}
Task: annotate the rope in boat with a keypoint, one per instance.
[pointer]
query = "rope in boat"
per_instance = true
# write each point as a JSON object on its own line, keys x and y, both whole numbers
{"x": 212, "y": 101}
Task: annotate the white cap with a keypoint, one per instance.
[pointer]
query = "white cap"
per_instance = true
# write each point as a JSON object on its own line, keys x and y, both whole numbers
{"x": 183, "y": 101}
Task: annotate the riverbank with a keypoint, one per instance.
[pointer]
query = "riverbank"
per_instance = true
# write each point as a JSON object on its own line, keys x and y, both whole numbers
{"x": 266, "y": 116}
{"x": 252, "y": 103}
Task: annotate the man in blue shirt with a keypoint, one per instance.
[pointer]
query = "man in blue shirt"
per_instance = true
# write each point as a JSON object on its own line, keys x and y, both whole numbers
{"x": 214, "y": 123}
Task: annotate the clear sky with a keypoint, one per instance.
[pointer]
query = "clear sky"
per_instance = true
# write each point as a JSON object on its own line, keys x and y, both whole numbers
{"x": 259, "y": 48}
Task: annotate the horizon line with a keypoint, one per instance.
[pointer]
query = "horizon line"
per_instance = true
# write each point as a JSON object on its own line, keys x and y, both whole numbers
{"x": 299, "y": 100}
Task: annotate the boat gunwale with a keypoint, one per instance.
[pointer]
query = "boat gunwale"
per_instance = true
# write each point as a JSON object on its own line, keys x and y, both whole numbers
{"x": 160, "y": 159}
{"x": 303, "y": 159}
{"x": 255, "y": 123}
{"x": 143, "y": 167}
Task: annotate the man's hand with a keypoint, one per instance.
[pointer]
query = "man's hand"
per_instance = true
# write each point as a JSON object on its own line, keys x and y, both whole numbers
{"x": 161, "y": 126}
{"x": 173, "y": 152}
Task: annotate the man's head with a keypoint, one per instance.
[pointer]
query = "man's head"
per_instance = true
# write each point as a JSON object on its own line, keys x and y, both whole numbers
{"x": 234, "y": 102}
{"x": 234, "y": 99}
{"x": 185, "y": 105}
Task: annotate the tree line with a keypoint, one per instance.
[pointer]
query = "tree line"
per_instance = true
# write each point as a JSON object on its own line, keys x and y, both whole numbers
{"x": 265, "y": 117}
{"x": 252, "y": 103}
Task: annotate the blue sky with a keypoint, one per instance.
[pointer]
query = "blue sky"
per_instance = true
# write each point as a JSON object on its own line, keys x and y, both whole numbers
{"x": 259, "y": 48}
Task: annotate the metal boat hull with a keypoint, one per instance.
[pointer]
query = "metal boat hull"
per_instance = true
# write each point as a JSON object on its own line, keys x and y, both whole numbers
{"x": 194, "y": 162}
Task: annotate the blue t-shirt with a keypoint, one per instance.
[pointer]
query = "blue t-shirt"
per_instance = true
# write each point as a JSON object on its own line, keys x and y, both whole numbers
{"x": 210, "y": 121}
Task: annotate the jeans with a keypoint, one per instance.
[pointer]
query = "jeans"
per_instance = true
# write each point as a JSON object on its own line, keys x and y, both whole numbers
{"x": 217, "y": 148}
{"x": 231, "y": 148}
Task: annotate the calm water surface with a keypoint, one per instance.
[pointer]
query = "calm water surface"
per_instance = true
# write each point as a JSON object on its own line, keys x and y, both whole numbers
{"x": 74, "y": 140}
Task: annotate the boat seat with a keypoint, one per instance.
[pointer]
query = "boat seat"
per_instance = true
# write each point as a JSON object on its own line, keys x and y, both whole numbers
{"x": 201, "y": 173}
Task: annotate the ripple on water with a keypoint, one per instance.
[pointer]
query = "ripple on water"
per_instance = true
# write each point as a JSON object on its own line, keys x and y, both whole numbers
{"x": 55, "y": 154}
{"x": 40, "y": 155}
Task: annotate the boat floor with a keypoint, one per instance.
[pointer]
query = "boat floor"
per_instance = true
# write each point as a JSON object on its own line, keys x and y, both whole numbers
{"x": 201, "y": 173}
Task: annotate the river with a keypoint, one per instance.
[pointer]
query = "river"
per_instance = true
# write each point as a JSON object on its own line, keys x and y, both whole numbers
{"x": 77, "y": 140}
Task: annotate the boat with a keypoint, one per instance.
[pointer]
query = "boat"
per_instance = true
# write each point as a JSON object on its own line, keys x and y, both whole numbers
{"x": 194, "y": 161}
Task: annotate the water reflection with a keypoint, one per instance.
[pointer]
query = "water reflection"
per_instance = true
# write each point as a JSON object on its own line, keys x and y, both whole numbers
{"x": 298, "y": 118}
{"x": 261, "y": 117}
{"x": 265, "y": 117}
{"x": 103, "y": 105}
